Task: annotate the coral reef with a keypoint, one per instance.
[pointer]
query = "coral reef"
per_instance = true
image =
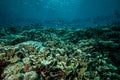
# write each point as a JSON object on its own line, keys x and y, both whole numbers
{"x": 60, "y": 54}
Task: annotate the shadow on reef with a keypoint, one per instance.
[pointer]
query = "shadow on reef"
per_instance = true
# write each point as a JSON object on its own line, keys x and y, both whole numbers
{"x": 38, "y": 53}
{"x": 3, "y": 64}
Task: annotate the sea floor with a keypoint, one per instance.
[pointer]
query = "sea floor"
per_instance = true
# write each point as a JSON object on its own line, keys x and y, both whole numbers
{"x": 38, "y": 53}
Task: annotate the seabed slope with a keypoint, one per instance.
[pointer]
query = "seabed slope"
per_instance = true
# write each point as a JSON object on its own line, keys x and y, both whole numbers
{"x": 60, "y": 54}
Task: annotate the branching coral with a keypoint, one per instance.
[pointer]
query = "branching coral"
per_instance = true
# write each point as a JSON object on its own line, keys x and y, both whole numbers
{"x": 49, "y": 55}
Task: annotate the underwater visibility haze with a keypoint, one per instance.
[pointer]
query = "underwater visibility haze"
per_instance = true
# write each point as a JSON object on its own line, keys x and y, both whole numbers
{"x": 59, "y": 39}
{"x": 79, "y": 12}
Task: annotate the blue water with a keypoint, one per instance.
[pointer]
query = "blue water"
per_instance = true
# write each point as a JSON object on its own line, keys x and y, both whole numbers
{"x": 59, "y": 13}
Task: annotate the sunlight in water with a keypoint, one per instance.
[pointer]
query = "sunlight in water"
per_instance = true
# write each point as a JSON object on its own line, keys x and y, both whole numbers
{"x": 62, "y": 3}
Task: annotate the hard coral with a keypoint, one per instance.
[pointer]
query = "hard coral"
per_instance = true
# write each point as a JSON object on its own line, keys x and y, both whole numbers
{"x": 50, "y": 55}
